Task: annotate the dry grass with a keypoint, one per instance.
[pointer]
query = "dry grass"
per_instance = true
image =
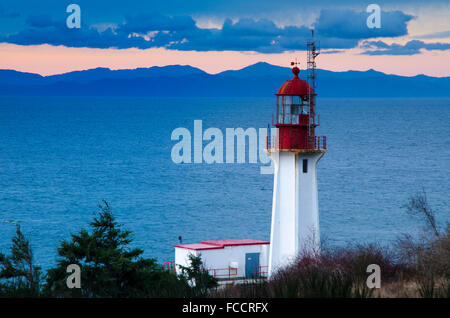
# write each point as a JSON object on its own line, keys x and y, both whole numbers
{"x": 341, "y": 273}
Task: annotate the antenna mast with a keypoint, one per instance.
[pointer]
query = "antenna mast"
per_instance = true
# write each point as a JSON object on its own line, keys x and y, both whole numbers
{"x": 313, "y": 52}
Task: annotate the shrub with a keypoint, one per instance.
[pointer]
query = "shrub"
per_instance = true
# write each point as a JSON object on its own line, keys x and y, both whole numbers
{"x": 19, "y": 276}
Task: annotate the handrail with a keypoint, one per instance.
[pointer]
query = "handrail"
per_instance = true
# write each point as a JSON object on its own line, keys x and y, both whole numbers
{"x": 259, "y": 272}
{"x": 216, "y": 272}
{"x": 311, "y": 142}
{"x": 230, "y": 272}
{"x": 170, "y": 266}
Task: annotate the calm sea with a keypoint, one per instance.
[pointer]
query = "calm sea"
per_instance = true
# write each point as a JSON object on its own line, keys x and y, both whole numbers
{"x": 59, "y": 157}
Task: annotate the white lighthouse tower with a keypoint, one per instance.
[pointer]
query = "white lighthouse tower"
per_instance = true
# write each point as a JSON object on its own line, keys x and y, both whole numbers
{"x": 295, "y": 151}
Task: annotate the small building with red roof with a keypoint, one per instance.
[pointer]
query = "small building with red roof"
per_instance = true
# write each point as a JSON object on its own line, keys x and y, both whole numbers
{"x": 227, "y": 259}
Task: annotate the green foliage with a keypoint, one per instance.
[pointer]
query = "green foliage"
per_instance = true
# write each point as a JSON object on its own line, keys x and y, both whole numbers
{"x": 199, "y": 278}
{"x": 19, "y": 277}
{"x": 109, "y": 268}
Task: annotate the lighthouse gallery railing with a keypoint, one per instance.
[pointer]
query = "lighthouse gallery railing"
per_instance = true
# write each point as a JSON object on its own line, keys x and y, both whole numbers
{"x": 313, "y": 143}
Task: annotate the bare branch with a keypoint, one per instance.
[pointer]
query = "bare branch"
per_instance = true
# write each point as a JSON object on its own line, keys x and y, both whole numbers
{"x": 418, "y": 206}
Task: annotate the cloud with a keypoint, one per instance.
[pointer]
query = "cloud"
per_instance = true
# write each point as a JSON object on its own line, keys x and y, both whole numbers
{"x": 41, "y": 21}
{"x": 8, "y": 14}
{"x": 410, "y": 48}
{"x": 436, "y": 35}
{"x": 155, "y": 30}
{"x": 44, "y": 30}
{"x": 147, "y": 30}
{"x": 247, "y": 35}
{"x": 146, "y": 22}
{"x": 349, "y": 24}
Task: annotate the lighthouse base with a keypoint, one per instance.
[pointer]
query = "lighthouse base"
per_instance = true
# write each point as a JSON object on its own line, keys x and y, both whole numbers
{"x": 295, "y": 209}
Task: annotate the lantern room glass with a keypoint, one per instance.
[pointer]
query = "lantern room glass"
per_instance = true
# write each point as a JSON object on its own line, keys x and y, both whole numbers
{"x": 289, "y": 108}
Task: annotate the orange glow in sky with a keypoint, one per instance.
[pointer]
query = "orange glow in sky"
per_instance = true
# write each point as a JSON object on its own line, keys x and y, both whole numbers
{"x": 47, "y": 60}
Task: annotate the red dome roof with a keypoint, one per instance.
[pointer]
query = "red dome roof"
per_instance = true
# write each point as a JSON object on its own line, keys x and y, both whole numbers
{"x": 295, "y": 86}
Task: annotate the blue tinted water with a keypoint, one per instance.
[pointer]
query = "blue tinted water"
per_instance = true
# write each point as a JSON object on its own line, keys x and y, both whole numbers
{"x": 59, "y": 157}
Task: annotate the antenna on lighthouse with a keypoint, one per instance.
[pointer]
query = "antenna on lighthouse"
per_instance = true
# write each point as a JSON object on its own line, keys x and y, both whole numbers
{"x": 313, "y": 52}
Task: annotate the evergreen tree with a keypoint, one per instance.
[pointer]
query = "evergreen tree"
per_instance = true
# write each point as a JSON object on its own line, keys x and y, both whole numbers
{"x": 198, "y": 277}
{"x": 19, "y": 277}
{"x": 109, "y": 268}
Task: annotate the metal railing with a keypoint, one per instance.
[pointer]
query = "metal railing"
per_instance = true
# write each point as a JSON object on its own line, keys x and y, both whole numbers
{"x": 318, "y": 142}
{"x": 223, "y": 272}
{"x": 272, "y": 142}
{"x": 260, "y": 271}
{"x": 314, "y": 143}
{"x": 170, "y": 266}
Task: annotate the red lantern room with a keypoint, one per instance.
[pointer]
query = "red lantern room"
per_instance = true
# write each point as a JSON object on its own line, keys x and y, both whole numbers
{"x": 295, "y": 117}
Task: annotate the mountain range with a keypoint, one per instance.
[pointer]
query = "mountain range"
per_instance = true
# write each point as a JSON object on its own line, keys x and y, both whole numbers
{"x": 257, "y": 80}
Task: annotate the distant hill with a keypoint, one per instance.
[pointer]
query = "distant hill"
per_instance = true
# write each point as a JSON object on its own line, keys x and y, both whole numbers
{"x": 10, "y": 77}
{"x": 260, "y": 79}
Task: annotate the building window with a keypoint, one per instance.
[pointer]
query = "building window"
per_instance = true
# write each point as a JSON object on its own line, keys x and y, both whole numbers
{"x": 305, "y": 165}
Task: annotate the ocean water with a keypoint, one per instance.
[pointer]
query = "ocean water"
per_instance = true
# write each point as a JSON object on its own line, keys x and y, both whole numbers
{"x": 59, "y": 157}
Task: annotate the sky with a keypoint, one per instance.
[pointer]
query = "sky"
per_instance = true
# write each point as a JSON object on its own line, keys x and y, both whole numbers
{"x": 413, "y": 37}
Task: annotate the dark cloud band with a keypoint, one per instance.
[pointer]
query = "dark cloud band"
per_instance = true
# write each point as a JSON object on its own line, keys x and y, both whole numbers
{"x": 336, "y": 29}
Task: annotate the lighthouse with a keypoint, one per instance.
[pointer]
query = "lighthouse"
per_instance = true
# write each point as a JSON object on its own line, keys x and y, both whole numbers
{"x": 295, "y": 152}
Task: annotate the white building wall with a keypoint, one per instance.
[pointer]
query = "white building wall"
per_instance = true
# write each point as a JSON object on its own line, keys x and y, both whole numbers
{"x": 182, "y": 258}
{"x": 308, "y": 204}
{"x": 223, "y": 258}
{"x": 295, "y": 209}
{"x": 282, "y": 242}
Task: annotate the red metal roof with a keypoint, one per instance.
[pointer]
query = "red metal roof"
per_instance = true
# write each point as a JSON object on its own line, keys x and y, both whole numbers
{"x": 198, "y": 246}
{"x": 295, "y": 86}
{"x": 218, "y": 244}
